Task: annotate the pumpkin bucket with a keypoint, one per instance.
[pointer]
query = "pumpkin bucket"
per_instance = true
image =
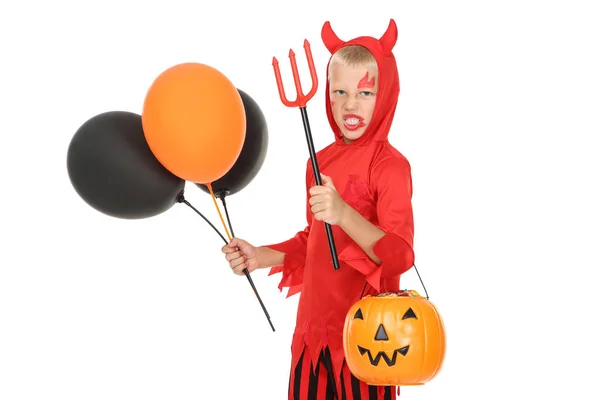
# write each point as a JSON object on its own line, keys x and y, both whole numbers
{"x": 395, "y": 339}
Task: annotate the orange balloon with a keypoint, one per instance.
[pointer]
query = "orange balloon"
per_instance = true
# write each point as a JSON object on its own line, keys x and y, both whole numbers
{"x": 194, "y": 122}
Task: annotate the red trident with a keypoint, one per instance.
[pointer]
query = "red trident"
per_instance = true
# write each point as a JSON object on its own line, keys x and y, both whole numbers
{"x": 301, "y": 100}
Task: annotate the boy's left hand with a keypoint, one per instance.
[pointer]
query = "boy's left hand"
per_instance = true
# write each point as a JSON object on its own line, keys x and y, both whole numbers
{"x": 326, "y": 203}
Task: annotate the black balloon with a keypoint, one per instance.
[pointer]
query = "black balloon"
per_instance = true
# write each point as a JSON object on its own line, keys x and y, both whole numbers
{"x": 112, "y": 168}
{"x": 252, "y": 156}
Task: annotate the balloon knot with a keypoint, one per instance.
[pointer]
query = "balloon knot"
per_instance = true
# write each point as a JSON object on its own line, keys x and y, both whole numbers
{"x": 221, "y": 194}
{"x": 180, "y": 197}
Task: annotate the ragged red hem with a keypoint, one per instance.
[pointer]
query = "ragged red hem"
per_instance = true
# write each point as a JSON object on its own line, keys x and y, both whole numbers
{"x": 293, "y": 262}
{"x": 396, "y": 254}
{"x": 355, "y": 257}
{"x": 312, "y": 344}
{"x": 292, "y": 273}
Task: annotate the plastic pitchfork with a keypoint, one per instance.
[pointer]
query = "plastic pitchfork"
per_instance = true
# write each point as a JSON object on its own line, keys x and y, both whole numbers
{"x": 301, "y": 100}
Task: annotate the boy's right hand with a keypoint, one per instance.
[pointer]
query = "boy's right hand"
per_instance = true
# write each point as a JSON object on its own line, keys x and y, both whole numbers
{"x": 240, "y": 255}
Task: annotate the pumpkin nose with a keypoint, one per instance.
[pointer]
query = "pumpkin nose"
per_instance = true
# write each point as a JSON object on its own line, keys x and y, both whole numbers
{"x": 381, "y": 335}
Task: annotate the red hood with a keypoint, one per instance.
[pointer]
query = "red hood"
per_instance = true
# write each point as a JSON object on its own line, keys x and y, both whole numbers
{"x": 389, "y": 82}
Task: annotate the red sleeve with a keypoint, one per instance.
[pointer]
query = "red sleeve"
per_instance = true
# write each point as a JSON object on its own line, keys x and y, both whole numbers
{"x": 392, "y": 182}
{"x": 295, "y": 251}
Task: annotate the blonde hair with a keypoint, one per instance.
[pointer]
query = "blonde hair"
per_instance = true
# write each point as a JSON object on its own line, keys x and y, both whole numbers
{"x": 352, "y": 56}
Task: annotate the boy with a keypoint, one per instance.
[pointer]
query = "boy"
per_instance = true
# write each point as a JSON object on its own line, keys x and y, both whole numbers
{"x": 366, "y": 197}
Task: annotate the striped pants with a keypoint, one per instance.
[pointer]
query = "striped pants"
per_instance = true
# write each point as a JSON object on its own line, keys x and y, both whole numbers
{"x": 318, "y": 383}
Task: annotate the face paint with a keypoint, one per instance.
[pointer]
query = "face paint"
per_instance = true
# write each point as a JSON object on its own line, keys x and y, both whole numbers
{"x": 364, "y": 83}
{"x": 352, "y": 108}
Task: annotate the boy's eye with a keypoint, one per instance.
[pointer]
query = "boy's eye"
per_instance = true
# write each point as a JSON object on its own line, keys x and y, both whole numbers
{"x": 366, "y": 93}
{"x": 340, "y": 92}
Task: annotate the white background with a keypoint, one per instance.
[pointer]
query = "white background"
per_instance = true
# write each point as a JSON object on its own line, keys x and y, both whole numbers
{"x": 498, "y": 115}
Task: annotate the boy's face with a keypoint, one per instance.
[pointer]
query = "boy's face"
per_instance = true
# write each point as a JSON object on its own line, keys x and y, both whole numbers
{"x": 352, "y": 96}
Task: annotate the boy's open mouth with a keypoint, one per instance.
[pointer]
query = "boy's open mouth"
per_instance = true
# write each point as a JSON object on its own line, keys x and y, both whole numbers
{"x": 353, "y": 122}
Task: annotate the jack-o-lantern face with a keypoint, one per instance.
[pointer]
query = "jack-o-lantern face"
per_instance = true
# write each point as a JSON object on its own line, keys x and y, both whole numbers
{"x": 381, "y": 335}
{"x": 394, "y": 339}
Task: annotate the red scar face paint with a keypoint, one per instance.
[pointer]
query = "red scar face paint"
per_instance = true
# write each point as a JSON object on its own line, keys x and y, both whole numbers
{"x": 365, "y": 83}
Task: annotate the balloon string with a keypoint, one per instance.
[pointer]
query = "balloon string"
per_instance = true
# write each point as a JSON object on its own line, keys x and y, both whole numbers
{"x": 218, "y": 210}
{"x": 181, "y": 199}
{"x": 227, "y": 215}
{"x": 246, "y": 272}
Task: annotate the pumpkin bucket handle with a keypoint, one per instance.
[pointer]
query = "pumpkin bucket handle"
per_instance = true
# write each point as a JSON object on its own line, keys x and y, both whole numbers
{"x": 419, "y": 275}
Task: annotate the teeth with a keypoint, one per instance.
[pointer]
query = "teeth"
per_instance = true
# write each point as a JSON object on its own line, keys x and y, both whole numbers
{"x": 352, "y": 121}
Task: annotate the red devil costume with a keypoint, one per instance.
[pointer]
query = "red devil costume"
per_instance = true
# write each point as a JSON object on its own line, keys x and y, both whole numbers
{"x": 375, "y": 179}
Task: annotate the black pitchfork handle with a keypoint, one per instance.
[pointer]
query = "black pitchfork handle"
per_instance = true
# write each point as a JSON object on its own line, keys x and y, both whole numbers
{"x": 315, "y": 166}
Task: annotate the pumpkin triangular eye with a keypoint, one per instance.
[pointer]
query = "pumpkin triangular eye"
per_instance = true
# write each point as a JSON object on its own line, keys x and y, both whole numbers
{"x": 358, "y": 314}
{"x": 409, "y": 314}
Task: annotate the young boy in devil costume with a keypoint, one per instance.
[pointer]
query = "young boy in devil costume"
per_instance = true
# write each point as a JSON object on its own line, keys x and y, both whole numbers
{"x": 366, "y": 197}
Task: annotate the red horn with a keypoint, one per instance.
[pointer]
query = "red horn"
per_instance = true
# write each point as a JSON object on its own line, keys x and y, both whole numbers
{"x": 388, "y": 40}
{"x": 332, "y": 42}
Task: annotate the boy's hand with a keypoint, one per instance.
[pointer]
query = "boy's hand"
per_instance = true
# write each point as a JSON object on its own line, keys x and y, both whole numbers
{"x": 326, "y": 203}
{"x": 240, "y": 255}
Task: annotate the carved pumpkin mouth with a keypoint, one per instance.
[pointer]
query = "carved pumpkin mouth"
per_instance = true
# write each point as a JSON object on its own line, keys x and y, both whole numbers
{"x": 383, "y": 355}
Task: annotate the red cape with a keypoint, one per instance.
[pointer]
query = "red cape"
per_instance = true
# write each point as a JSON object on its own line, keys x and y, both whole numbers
{"x": 375, "y": 179}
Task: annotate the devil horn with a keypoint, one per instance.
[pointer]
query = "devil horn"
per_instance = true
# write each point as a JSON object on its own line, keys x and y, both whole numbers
{"x": 330, "y": 39}
{"x": 388, "y": 40}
